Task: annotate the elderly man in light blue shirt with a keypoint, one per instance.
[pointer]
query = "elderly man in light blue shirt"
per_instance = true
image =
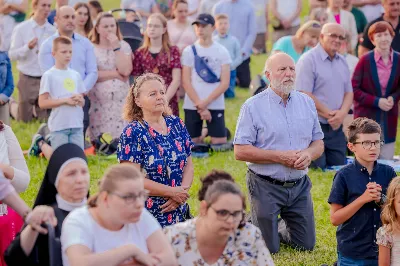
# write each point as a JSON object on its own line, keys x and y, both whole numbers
{"x": 324, "y": 75}
{"x": 243, "y": 26}
{"x": 83, "y": 57}
{"x": 278, "y": 135}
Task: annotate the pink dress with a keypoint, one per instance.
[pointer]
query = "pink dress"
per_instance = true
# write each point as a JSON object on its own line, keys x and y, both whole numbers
{"x": 11, "y": 154}
{"x": 179, "y": 37}
{"x": 107, "y": 98}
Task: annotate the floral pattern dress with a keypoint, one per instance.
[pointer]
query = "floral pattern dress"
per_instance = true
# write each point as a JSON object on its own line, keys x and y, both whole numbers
{"x": 162, "y": 159}
{"x": 391, "y": 241}
{"x": 162, "y": 64}
{"x": 245, "y": 247}
{"x": 107, "y": 98}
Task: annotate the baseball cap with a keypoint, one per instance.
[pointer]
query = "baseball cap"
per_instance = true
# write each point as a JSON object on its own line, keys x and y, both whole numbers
{"x": 204, "y": 19}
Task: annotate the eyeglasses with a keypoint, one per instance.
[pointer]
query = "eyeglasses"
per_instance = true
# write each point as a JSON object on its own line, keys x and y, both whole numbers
{"x": 131, "y": 198}
{"x": 335, "y": 36}
{"x": 368, "y": 144}
{"x": 223, "y": 215}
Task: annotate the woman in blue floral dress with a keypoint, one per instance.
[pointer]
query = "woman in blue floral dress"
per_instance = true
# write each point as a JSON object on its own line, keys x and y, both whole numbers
{"x": 159, "y": 144}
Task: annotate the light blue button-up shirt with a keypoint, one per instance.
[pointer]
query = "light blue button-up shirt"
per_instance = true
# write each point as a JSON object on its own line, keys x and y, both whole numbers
{"x": 266, "y": 123}
{"x": 231, "y": 44}
{"x": 242, "y": 20}
{"x": 83, "y": 58}
{"x": 327, "y": 79}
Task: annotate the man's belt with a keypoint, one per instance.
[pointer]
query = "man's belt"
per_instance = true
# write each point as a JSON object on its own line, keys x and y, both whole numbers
{"x": 286, "y": 184}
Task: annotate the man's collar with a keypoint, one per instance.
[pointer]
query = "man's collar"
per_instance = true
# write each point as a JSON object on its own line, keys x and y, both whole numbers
{"x": 362, "y": 168}
{"x": 324, "y": 55}
{"x": 75, "y": 36}
{"x": 275, "y": 97}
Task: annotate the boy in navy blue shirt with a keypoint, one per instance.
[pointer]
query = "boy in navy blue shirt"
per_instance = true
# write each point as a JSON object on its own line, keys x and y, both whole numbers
{"x": 357, "y": 194}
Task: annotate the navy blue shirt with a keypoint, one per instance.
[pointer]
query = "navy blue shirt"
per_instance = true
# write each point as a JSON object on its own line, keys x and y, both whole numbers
{"x": 357, "y": 236}
{"x": 51, "y": 16}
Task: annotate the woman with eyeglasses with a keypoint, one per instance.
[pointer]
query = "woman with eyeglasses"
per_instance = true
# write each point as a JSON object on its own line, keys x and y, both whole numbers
{"x": 306, "y": 38}
{"x": 115, "y": 229}
{"x": 220, "y": 235}
{"x": 376, "y": 85}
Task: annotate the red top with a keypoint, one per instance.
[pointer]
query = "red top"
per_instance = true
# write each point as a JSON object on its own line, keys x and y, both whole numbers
{"x": 144, "y": 62}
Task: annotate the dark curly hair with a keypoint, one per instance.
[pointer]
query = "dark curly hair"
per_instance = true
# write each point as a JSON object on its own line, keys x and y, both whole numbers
{"x": 209, "y": 179}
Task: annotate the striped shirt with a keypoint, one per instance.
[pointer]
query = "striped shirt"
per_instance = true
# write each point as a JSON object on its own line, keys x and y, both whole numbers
{"x": 266, "y": 123}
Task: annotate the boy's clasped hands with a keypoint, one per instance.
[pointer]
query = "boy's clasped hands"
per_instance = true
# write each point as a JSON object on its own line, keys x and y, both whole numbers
{"x": 75, "y": 100}
{"x": 372, "y": 193}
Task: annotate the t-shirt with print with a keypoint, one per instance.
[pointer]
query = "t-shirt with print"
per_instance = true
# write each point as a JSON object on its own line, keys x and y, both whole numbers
{"x": 62, "y": 84}
{"x": 79, "y": 228}
{"x": 215, "y": 56}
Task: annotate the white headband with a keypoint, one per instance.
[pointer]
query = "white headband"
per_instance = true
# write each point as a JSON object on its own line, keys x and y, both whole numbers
{"x": 64, "y": 165}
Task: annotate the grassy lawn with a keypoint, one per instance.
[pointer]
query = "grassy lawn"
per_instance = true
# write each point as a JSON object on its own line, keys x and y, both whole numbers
{"x": 325, "y": 251}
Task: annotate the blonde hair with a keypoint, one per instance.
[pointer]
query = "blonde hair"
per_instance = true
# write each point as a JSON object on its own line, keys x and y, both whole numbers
{"x": 166, "y": 45}
{"x": 61, "y": 40}
{"x": 221, "y": 16}
{"x": 389, "y": 215}
{"x": 94, "y": 35}
{"x": 131, "y": 110}
{"x": 112, "y": 177}
{"x": 311, "y": 25}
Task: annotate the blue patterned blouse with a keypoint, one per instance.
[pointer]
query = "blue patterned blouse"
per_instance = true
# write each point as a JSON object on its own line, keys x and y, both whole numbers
{"x": 162, "y": 158}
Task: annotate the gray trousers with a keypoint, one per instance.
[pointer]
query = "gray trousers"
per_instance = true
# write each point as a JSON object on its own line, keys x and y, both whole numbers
{"x": 294, "y": 205}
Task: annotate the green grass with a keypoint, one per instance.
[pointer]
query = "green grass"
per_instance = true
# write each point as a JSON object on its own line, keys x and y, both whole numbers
{"x": 325, "y": 251}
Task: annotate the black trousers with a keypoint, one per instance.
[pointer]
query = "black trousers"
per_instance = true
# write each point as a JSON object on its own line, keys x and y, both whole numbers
{"x": 243, "y": 74}
{"x": 86, "y": 108}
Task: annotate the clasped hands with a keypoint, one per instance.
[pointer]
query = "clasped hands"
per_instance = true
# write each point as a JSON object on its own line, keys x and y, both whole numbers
{"x": 372, "y": 193}
{"x": 297, "y": 159}
{"x": 386, "y": 104}
{"x": 335, "y": 118}
{"x": 179, "y": 195}
{"x": 76, "y": 99}
{"x": 203, "y": 111}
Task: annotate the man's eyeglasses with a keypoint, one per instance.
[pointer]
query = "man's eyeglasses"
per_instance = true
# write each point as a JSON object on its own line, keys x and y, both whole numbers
{"x": 336, "y": 36}
{"x": 223, "y": 215}
{"x": 131, "y": 198}
{"x": 368, "y": 144}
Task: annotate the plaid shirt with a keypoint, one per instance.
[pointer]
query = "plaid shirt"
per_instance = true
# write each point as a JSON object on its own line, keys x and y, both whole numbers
{"x": 367, "y": 92}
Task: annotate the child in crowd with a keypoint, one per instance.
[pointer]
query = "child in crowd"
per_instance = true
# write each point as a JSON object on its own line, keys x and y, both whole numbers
{"x": 357, "y": 194}
{"x": 231, "y": 43}
{"x": 205, "y": 78}
{"x": 61, "y": 90}
{"x": 6, "y": 87}
{"x": 388, "y": 236}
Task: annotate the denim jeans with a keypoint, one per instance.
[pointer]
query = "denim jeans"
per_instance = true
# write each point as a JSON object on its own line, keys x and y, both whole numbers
{"x": 345, "y": 261}
{"x": 230, "y": 92}
{"x": 70, "y": 135}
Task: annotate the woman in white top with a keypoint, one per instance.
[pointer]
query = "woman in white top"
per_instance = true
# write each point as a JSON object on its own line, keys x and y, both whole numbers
{"x": 14, "y": 169}
{"x": 115, "y": 229}
{"x": 12, "y": 12}
{"x": 25, "y": 42}
{"x": 220, "y": 235}
{"x": 180, "y": 29}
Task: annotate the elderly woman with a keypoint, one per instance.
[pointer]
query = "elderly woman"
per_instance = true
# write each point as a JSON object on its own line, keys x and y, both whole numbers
{"x": 114, "y": 65}
{"x": 159, "y": 144}
{"x": 180, "y": 29}
{"x": 376, "y": 84}
{"x": 64, "y": 187}
{"x": 306, "y": 37}
{"x": 83, "y": 20}
{"x": 220, "y": 232}
{"x": 115, "y": 229}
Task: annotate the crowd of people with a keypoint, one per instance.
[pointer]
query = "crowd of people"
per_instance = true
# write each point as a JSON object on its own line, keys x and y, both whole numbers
{"x": 331, "y": 89}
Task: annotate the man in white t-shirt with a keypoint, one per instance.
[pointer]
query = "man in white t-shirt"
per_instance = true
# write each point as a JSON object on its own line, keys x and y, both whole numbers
{"x": 61, "y": 90}
{"x": 287, "y": 17}
{"x": 205, "y": 79}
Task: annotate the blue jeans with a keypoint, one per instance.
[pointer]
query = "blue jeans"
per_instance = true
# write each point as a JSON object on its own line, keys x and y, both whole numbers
{"x": 345, "y": 261}
{"x": 230, "y": 92}
{"x": 70, "y": 135}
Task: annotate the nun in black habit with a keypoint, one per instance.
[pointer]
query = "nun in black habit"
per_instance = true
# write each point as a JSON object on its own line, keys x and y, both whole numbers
{"x": 64, "y": 188}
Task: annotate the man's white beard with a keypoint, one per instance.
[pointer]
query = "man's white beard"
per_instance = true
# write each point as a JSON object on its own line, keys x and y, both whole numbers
{"x": 282, "y": 87}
